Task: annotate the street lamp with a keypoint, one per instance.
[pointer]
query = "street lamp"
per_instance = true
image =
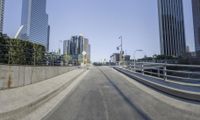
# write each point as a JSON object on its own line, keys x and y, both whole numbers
{"x": 84, "y": 56}
{"x": 139, "y": 50}
{"x": 120, "y": 47}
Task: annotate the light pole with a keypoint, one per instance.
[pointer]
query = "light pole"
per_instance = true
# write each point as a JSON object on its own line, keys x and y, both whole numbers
{"x": 139, "y": 50}
{"x": 121, "y": 49}
{"x": 84, "y": 57}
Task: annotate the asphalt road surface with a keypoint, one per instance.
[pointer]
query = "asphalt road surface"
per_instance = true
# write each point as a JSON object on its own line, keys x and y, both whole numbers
{"x": 104, "y": 94}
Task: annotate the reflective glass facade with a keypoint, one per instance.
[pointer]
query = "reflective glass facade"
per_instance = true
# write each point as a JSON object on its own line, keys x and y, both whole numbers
{"x": 76, "y": 45}
{"x": 2, "y": 2}
{"x": 66, "y": 47}
{"x": 35, "y": 22}
{"x": 196, "y": 18}
{"x": 172, "y": 31}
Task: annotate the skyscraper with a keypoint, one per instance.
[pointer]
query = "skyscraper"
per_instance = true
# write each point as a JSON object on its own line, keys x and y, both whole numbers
{"x": 75, "y": 46}
{"x": 89, "y": 53}
{"x": 48, "y": 37}
{"x": 66, "y": 47}
{"x": 34, "y": 22}
{"x": 172, "y": 31}
{"x": 2, "y": 2}
{"x": 196, "y": 19}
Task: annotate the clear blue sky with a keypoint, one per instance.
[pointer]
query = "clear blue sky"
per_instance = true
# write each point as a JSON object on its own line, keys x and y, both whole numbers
{"x": 103, "y": 21}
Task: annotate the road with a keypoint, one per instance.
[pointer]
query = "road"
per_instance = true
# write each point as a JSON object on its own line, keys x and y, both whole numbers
{"x": 104, "y": 94}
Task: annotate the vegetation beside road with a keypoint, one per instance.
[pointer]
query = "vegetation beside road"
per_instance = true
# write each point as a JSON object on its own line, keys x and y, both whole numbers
{"x": 20, "y": 52}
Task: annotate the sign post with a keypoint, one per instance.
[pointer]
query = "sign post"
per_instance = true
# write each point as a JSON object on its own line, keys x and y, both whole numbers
{"x": 84, "y": 57}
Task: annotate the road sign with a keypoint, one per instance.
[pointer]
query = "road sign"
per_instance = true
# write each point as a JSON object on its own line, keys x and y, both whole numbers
{"x": 84, "y": 53}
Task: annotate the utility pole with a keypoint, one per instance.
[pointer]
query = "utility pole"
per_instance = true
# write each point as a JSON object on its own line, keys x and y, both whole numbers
{"x": 121, "y": 49}
{"x": 134, "y": 57}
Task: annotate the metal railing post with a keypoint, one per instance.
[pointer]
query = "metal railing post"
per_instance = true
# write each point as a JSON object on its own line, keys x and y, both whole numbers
{"x": 134, "y": 65}
{"x": 165, "y": 72}
{"x": 142, "y": 68}
{"x": 158, "y": 72}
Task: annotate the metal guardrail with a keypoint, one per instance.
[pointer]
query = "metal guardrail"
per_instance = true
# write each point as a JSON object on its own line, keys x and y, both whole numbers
{"x": 178, "y": 72}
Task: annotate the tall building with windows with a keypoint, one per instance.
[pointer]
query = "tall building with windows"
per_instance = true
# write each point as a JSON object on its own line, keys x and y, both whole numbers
{"x": 48, "y": 37}
{"x": 66, "y": 47}
{"x": 172, "y": 31}
{"x": 2, "y": 2}
{"x": 34, "y": 22}
{"x": 114, "y": 58}
{"x": 196, "y": 19}
{"x": 75, "y": 46}
{"x": 89, "y": 52}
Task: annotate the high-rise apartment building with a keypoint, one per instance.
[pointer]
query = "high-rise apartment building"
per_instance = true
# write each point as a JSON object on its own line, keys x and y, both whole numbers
{"x": 34, "y": 22}
{"x": 2, "y": 2}
{"x": 172, "y": 31}
{"x": 196, "y": 19}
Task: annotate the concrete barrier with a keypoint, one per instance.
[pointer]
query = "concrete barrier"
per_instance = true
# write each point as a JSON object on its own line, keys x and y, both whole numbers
{"x": 18, "y": 103}
{"x": 178, "y": 92}
{"x": 17, "y": 76}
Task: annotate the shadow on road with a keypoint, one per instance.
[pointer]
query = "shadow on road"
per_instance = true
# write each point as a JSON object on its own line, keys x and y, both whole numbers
{"x": 128, "y": 101}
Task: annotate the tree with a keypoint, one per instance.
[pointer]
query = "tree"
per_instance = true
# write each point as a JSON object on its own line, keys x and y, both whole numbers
{"x": 66, "y": 59}
{"x": 4, "y": 48}
{"x": 15, "y": 51}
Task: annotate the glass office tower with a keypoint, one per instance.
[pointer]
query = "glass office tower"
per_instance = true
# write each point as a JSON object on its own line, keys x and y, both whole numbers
{"x": 76, "y": 45}
{"x": 34, "y": 22}
{"x": 172, "y": 31}
{"x": 196, "y": 19}
{"x": 2, "y": 2}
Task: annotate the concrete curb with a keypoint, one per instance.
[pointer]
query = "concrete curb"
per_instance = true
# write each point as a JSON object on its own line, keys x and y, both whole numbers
{"x": 25, "y": 109}
{"x": 61, "y": 98}
{"x": 44, "y": 111}
{"x": 190, "y": 95}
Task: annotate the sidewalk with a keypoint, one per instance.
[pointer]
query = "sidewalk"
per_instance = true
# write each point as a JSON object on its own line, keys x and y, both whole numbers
{"x": 15, "y": 102}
